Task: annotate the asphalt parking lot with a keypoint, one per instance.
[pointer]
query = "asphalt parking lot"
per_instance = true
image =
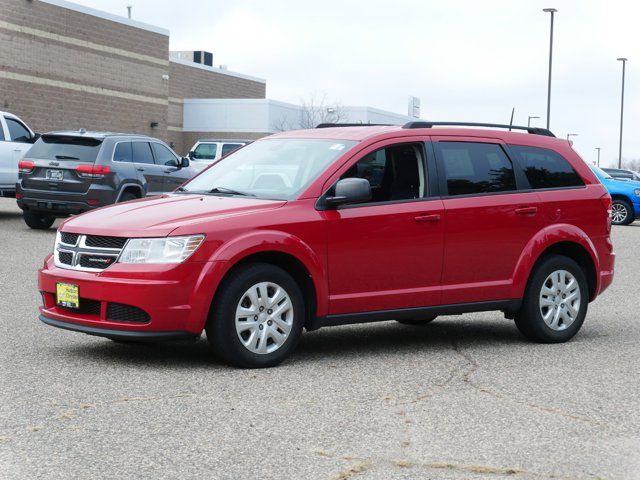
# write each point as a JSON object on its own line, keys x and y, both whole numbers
{"x": 465, "y": 397}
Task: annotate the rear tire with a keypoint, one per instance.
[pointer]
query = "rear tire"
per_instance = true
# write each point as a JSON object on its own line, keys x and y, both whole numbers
{"x": 418, "y": 320}
{"x": 257, "y": 316}
{"x": 37, "y": 221}
{"x": 555, "y": 301}
{"x": 622, "y": 212}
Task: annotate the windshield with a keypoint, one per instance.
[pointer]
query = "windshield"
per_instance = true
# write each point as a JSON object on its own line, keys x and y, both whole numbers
{"x": 278, "y": 169}
{"x": 60, "y": 147}
{"x": 601, "y": 173}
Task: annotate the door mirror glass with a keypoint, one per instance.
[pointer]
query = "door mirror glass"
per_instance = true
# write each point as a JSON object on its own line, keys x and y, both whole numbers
{"x": 350, "y": 190}
{"x": 184, "y": 162}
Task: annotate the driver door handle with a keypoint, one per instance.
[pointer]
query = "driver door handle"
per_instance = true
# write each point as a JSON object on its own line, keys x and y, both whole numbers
{"x": 427, "y": 218}
{"x": 140, "y": 169}
{"x": 526, "y": 210}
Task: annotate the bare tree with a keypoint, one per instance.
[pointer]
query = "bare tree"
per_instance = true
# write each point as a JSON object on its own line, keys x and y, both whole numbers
{"x": 283, "y": 124}
{"x": 317, "y": 109}
{"x": 633, "y": 164}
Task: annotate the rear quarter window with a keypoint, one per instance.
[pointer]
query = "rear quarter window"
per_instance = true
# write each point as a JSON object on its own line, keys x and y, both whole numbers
{"x": 62, "y": 148}
{"x": 545, "y": 168}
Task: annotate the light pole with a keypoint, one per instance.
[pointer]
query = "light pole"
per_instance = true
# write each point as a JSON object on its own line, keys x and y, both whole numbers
{"x": 529, "y": 120}
{"x": 624, "y": 63}
{"x": 598, "y": 149}
{"x": 552, "y": 11}
{"x": 571, "y": 135}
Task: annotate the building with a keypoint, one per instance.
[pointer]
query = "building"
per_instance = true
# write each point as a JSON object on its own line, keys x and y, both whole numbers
{"x": 65, "y": 66}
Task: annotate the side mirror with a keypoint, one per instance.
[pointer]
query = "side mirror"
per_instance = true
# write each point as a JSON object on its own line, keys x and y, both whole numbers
{"x": 184, "y": 162}
{"x": 191, "y": 155}
{"x": 350, "y": 190}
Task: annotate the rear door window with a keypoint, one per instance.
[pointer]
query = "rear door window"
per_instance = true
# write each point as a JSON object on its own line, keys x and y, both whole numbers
{"x": 123, "y": 153}
{"x": 475, "y": 168}
{"x": 142, "y": 152}
{"x": 17, "y": 131}
{"x": 546, "y": 168}
{"x": 227, "y": 148}
{"x": 63, "y": 147}
{"x": 205, "y": 151}
{"x": 164, "y": 156}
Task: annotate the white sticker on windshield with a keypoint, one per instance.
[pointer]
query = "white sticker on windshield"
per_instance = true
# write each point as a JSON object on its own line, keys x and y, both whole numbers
{"x": 337, "y": 146}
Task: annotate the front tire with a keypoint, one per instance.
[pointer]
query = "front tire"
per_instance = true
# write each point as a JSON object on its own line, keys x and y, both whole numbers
{"x": 621, "y": 212}
{"x": 257, "y": 316}
{"x": 37, "y": 221}
{"x": 555, "y": 302}
{"x": 418, "y": 320}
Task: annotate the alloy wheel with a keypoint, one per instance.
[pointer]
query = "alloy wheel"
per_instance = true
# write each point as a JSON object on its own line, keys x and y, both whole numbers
{"x": 560, "y": 299}
{"x": 619, "y": 213}
{"x": 264, "y": 318}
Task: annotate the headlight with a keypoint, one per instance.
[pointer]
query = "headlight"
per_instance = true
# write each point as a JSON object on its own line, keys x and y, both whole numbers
{"x": 160, "y": 250}
{"x": 637, "y": 192}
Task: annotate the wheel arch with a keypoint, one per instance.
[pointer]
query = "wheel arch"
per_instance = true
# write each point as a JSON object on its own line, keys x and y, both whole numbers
{"x": 287, "y": 252}
{"x": 130, "y": 187}
{"x": 567, "y": 240}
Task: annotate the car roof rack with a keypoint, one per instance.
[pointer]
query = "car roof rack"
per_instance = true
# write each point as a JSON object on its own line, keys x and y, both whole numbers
{"x": 331, "y": 125}
{"x": 532, "y": 130}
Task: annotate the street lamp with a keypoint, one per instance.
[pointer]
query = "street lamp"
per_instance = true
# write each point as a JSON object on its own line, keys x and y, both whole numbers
{"x": 624, "y": 63}
{"x": 552, "y": 11}
{"x": 529, "y": 120}
{"x": 571, "y": 135}
{"x": 598, "y": 149}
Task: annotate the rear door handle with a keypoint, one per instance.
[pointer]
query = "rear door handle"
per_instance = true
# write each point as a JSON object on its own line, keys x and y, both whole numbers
{"x": 526, "y": 210}
{"x": 140, "y": 169}
{"x": 428, "y": 218}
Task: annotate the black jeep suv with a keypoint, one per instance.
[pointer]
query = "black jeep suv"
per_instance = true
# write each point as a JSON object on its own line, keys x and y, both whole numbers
{"x": 67, "y": 173}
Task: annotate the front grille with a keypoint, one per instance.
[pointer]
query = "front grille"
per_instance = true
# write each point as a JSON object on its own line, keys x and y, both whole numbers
{"x": 95, "y": 261}
{"x": 126, "y": 313}
{"x": 69, "y": 238}
{"x": 105, "y": 242}
{"x": 87, "y": 307}
{"x": 66, "y": 257}
{"x": 87, "y": 252}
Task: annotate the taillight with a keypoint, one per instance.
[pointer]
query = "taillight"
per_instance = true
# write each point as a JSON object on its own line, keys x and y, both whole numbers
{"x": 18, "y": 196}
{"x": 606, "y": 203}
{"x": 92, "y": 171}
{"x": 26, "y": 166}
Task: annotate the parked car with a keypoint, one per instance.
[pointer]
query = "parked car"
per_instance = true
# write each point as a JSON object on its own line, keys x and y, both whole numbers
{"x": 67, "y": 173}
{"x": 342, "y": 225}
{"x": 625, "y": 195}
{"x": 16, "y": 139}
{"x": 206, "y": 152}
{"x": 622, "y": 174}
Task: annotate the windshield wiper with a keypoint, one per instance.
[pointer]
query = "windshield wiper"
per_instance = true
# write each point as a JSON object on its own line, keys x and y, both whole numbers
{"x": 230, "y": 191}
{"x": 65, "y": 157}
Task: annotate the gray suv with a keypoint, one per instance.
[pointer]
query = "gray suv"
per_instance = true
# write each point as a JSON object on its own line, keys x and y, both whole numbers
{"x": 67, "y": 173}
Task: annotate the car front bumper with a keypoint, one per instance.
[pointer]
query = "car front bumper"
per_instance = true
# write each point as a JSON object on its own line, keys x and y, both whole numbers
{"x": 174, "y": 298}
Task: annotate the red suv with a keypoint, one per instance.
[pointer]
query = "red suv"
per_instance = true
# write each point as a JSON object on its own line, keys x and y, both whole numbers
{"x": 343, "y": 225}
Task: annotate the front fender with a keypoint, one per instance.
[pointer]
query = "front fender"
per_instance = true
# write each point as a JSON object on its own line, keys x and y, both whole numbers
{"x": 230, "y": 253}
{"x": 544, "y": 239}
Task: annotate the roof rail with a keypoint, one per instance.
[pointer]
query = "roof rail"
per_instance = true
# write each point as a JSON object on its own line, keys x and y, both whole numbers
{"x": 331, "y": 125}
{"x": 532, "y": 130}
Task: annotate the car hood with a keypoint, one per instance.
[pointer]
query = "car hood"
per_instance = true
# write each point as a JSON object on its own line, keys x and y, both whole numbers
{"x": 159, "y": 216}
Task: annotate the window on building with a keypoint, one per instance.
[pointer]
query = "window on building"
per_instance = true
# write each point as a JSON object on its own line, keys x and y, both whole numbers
{"x": 142, "y": 152}
{"x": 473, "y": 168}
{"x": 546, "y": 168}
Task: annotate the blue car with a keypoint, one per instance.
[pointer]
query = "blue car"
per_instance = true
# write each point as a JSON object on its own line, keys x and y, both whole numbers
{"x": 625, "y": 195}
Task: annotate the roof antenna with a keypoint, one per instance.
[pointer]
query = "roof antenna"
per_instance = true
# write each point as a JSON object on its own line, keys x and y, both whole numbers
{"x": 511, "y": 121}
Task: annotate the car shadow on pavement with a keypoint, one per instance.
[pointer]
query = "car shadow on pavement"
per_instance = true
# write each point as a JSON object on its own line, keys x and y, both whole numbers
{"x": 339, "y": 343}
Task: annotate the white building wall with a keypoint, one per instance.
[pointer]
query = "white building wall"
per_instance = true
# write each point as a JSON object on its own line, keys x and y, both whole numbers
{"x": 261, "y": 115}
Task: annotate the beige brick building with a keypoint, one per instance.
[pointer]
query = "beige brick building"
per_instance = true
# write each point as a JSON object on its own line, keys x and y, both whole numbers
{"x": 63, "y": 66}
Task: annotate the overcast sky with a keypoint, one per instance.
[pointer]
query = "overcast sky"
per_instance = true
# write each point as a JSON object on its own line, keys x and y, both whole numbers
{"x": 465, "y": 59}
